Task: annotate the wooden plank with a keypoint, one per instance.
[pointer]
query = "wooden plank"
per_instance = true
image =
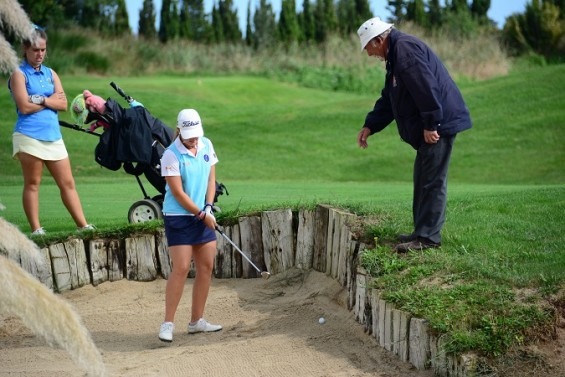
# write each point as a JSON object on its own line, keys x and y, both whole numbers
{"x": 223, "y": 262}
{"x": 368, "y": 310}
{"x": 351, "y": 271}
{"x": 438, "y": 356}
{"x": 388, "y": 334}
{"x": 278, "y": 240}
{"x": 44, "y": 271}
{"x": 39, "y": 268}
{"x": 375, "y": 301}
{"x": 382, "y": 323}
{"x": 321, "y": 221}
{"x": 76, "y": 254}
{"x": 401, "y": 328}
{"x": 163, "y": 258}
{"x": 98, "y": 261}
{"x": 305, "y": 239}
{"x": 27, "y": 259}
{"x": 251, "y": 236}
{"x": 329, "y": 241}
{"x": 141, "y": 261}
{"x": 361, "y": 283}
{"x": 337, "y": 245}
{"x": 234, "y": 233}
{"x": 116, "y": 260}
{"x": 419, "y": 343}
{"x": 345, "y": 253}
{"x": 61, "y": 268}
{"x": 395, "y": 330}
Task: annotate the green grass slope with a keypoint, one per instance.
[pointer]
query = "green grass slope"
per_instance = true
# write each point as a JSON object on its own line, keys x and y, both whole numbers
{"x": 266, "y": 130}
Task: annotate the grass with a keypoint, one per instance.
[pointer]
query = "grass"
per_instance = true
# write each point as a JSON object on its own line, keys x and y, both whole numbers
{"x": 78, "y": 51}
{"x": 490, "y": 286}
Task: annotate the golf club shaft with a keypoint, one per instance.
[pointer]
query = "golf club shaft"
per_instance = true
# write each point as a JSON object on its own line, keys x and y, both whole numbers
{"x": 237, "y": 248}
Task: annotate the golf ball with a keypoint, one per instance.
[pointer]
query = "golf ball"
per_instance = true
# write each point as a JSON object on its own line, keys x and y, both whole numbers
{"x": 322, "y": 320}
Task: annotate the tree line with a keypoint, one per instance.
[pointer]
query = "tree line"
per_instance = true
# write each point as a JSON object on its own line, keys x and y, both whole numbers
{"x": 540, "y": 29}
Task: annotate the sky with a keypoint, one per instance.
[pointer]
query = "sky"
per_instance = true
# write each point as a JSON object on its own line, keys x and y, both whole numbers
{"x": 499, "y": 9}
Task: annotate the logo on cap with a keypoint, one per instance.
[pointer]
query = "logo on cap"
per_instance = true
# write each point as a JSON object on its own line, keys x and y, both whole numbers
{"x": 190, "y": 123}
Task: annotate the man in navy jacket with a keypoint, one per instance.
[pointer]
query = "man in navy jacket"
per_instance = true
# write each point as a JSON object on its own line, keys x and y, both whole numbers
{"x": 429, "y": 111}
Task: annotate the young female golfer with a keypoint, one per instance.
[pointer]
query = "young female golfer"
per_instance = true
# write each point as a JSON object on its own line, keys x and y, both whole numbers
{"x": 188, "y": 166}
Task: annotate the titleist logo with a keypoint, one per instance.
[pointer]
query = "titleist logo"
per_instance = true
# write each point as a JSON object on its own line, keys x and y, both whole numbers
{"x": 190, "y": 123}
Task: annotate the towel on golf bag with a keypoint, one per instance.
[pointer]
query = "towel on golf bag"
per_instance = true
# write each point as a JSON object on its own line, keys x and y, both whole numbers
{"x": 131, "y": 137}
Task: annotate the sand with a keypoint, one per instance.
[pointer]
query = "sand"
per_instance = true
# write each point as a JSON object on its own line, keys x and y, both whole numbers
{"x": 270, "y": 329}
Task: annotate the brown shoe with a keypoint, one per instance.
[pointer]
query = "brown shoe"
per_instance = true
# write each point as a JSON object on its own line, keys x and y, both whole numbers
{"x": 418, "y": 244}
{"x": 403, "y": 238}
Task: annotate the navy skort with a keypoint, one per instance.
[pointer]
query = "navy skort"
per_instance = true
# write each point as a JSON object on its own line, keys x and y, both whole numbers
{"x": 187, "y": 230}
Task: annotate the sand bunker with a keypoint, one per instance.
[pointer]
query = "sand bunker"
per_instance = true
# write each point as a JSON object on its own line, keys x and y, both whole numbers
{"x": 270, "y": 329}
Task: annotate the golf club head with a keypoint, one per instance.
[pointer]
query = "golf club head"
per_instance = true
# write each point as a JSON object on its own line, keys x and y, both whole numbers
{"x": 265, "y": 275}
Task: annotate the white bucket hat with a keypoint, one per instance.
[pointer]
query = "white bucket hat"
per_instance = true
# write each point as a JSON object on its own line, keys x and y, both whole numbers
{"x": 189, "y": 124}
{"x": 370, "y": 29}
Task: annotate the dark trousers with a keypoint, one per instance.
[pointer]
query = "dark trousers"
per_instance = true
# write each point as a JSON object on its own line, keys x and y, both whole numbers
{"x": 430, "y": 188}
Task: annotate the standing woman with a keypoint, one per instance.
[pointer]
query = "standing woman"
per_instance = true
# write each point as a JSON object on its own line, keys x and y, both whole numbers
{"x": 188, "y": 166}
{"x": 37, "y": 140}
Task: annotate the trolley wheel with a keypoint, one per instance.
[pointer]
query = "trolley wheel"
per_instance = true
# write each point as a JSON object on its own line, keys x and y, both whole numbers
{"x": 144, "y": 210}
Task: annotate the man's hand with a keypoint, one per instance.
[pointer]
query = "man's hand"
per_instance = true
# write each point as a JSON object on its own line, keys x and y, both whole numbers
{"x": 431, "y": 137}
{"x": 362, "y": 137}
{"x": 94, "y": 103}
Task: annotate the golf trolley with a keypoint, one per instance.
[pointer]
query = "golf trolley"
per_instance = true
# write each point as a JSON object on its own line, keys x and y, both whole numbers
{"x": 134, "y": 140}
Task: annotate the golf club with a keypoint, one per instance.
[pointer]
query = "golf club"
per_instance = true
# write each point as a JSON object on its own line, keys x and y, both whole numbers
{"x": 121, "y": 92}
{"x": 264, "y": 274}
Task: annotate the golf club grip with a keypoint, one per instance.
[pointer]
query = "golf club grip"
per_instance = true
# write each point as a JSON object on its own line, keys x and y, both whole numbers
{"x": 120, "y": 91}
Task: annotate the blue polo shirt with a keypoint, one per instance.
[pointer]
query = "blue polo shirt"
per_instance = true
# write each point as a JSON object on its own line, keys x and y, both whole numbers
{"x": 193, "y": 170}
{"x": 44, "y": 124}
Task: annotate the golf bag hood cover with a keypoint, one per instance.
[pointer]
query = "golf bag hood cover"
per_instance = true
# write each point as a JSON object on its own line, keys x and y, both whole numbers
{"x": 79, "y": 112}
{"x": 189, "y": 124}
{"x": 370, "y": 29}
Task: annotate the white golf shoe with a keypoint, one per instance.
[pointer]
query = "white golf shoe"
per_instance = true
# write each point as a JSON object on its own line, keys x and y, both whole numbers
{"x": 202, "y": 326}
{"x": 38, "y": 232}
{"x": 166, "y": 331}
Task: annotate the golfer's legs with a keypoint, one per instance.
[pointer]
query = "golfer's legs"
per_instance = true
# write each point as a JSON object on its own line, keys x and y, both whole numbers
{"x": 180, "y": 259}
{"x": 61, "y": 172}
{"x": 204, "y": 262}
{"x": 32, "y": 168}
{"x": 430, "y": 188}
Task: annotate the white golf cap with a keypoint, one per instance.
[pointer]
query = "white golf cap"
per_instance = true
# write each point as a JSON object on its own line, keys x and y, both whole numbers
{"x": 370, "y": 29}
{"x": 189, "y": 124}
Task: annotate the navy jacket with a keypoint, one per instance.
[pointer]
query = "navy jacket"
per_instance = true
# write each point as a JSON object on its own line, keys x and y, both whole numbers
{"x": 419, "y": 93}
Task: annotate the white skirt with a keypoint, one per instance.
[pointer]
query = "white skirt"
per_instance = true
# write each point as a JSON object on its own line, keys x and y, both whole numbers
{"x": 44, "y": 150}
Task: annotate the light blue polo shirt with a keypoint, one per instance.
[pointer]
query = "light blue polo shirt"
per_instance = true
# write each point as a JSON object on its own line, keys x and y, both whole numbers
{"x": 44, "y": 124}
{"x": 193, "y": 170}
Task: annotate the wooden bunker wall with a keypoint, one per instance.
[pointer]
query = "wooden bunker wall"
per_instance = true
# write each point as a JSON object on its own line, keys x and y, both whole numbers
{"x": 275, "y": 241}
